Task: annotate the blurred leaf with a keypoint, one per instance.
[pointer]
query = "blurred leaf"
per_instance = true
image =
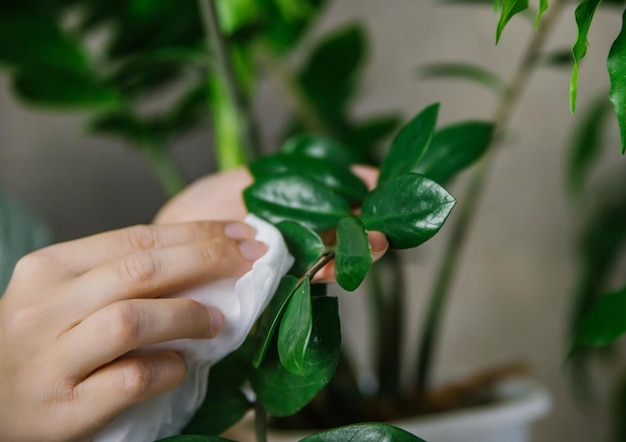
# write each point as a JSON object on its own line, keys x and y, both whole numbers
{"x": 508, "y": 8}
{"x": 295, "y": 198}
{"x": 605, "y": 323}
{"x": 587, "y": 143}
{"x": 269, "y": 320}
{"x": 58, "y": 87}
{"x": 334, "y": 176}
{"x": 124, "y": 124}
{"x": 235, "y": 14}
{"x": 558, "y": 58}
{"x": 366, "y": 432}
{"x": 225, "y": 407}
{"x": 543, "y": 6}
{"x": 284, "y": 28}
{"x": 464, "y": 71}
{"x": 410, "y": 144}
{"x": 21, "y": 232}
{"x": 353, "y": 256}
{"x": 329, "y": 76}
{"x": 304, "y": 245}
{"x": 408, "y": 209}
{"x": 295, "y": 329}
{"x": 617, "y": 73}
{"x": 283, "y": 393}
{"x": 584, "y": 15}
{"x": 454, "y": 148}
{"x": 195, "y": 438}
{"x": 318, "y": 146}
{"x": 27, "y": 39}
{"x": 365, "y": 136}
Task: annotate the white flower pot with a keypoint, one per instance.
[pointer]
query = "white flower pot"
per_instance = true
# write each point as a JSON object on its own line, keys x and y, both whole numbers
{"x": 510, "y": 419}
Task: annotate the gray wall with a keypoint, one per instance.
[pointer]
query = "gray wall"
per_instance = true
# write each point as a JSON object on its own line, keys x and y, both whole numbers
{"x": 511, "y": 295}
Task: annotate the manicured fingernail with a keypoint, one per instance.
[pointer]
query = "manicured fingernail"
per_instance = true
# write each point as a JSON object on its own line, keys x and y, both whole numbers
{"x": 252, "y": 250}
{"x": 217, "y": 321}
{"x": 238, "y": 231}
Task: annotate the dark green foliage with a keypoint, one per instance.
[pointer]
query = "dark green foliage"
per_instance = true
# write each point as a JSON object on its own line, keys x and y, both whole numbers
{"x": 605, "y": 322}
{"x": 617, "y": 72}
{"x": 371, "y": 432}
{"x": 304, "y": 245}
{"x": 353, "y": 256}
{"x": 295, "y": 329}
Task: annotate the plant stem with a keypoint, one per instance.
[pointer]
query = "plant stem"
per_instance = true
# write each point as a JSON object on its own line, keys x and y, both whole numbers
{"x": 319, "y": 265}
{"x": 260, "y": 422}
{"x": 248, "y": 130}
{"x": 294, "y": 95}
{"x": 475, "y": 191}
{"x": 164, "y": 167}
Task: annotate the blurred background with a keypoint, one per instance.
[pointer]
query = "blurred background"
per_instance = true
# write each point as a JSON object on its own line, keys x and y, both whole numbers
{"x": 512, "y": 294}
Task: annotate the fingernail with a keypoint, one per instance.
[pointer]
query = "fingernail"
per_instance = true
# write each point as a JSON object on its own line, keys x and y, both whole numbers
{"x": 238, "y": 231}
{"x": 217, "y": 321}
{"x": 252, "y": 250}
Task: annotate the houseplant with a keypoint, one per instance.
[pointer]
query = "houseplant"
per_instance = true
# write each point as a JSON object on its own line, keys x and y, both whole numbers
{"x": 127, "y": 125}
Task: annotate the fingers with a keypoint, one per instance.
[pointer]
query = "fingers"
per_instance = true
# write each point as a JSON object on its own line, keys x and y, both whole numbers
{"x": 82, "y": 255}
{"x": 126, "y": 382}
{"x": 129, "y": 325}
{"x": 159, "y": 272}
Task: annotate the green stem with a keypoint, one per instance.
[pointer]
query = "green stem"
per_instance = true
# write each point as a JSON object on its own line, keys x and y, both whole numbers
{"x": 475, "y": 191}
{"x": 260, "y": 422}
{"x": 248, "y": 130}
{"x": 166, "y": 170}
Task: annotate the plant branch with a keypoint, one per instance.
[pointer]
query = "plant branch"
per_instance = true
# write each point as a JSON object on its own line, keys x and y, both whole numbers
{"x": 475, "y": 191}
{"x": 248, "y": 130}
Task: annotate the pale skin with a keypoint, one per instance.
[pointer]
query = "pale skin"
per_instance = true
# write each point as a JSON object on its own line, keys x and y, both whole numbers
{"x": 73, "y": 312}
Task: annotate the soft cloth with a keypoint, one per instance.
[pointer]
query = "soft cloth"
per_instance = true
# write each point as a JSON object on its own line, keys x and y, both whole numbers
{"x": 241, "y": 302}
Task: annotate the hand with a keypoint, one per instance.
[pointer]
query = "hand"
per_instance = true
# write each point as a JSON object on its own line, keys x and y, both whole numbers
{"x": 74, "y": 312}
{"x": 219, "y": 196}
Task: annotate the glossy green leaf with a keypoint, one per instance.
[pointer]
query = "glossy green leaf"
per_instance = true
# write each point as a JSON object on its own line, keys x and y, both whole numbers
{"x": 463, "y": 71}
{"x": 304, "y": 245}
{"x": 353, "y": 255}
{"x": 334, "y": 176}
{"x": 508, "y": 9}
{"x": 195, "y": 438}
{"x": 410, "y": 144}
{"x": 21, "y": 232}
{"x": 605, "y": 323}
{"x": 584, "y": 15}
{"x": 617, "y": 72}
{"x": 318, "y": 146}
{"x": 295, "y": 329}
{"x": 296, "y": 198}
{"x": 454, "y": 148}
{"x": 366, "y": 432}
{"x": 587, "y": 143}
{"x": 32, "y": 38}
{"x": 58, "y": 87}
{"x": 269, "y": 320}
{"x": 543, "y": 7}
{"x": 283, "y": 393}
{"x": 408, "y": 209}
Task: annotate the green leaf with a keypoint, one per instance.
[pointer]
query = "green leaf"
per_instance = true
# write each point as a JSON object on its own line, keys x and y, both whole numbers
{"x": 367, "y": 135}
{"x": 269, "y": 320}
{"x": 617, "y": 72}
{"x": 304, "y": 245}
{"x": 408, "y": 209}
{"x": 587, "y": 143}
{"x": 464, "y": 71}
{"x": 584, "y": 15}
{"x": 225, "y": 406}
{"x": 125, "y": 124}
{"x": 283, "y": 393}
{"x": 195, "y": 438}
{"x": 292, "y": 197}
{"x": 558, "y": 58}
{"x": 508, "y": 8}
{"x": 334, "y": 176}
{"x": 353, "y": 255}
{"x": 605, "y": 323}
{"x": 410, "y": 144}
{"x": 367, "y": 432}
{"x": 33, "y": 38}
{"x": 295, "y": 329}
{"x": 59, "y": 87}
{"x": 543, "y": 7}
{"x": 21, "y": 232}
{"x": 317, "y": 146}
{"x": 454, "y": 148}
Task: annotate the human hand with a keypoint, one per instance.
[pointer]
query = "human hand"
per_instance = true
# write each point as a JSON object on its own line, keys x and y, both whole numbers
{"x": 74, "y": 312}
{"x": 219, "y": 196}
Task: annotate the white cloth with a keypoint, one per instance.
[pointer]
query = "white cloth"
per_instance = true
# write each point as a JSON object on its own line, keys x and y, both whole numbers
{"x": 241, "y": 302}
